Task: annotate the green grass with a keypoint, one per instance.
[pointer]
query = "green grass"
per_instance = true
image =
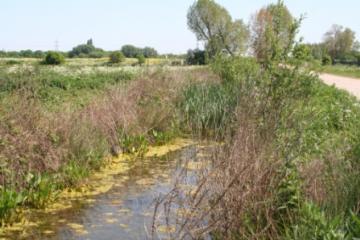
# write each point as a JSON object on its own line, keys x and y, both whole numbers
{"x": 343, "y": 70}
{"x": 208, "y": 108}
{"x": 55, "y": 88}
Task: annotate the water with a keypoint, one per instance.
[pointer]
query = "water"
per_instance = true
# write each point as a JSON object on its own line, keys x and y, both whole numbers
{"x": 125, "y": 211}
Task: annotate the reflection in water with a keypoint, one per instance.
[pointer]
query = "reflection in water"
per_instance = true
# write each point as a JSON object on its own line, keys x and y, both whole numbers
{"x": 124, "y": 210}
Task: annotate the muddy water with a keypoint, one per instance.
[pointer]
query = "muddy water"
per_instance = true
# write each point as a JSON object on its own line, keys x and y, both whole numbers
{"x": 117, "y": 203}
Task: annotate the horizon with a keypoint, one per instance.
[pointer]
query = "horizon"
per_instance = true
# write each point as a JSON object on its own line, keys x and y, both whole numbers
{"x": 160, "y": 24}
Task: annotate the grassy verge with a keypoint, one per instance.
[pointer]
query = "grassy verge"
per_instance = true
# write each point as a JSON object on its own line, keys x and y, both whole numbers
{"x": 343, "y": 70}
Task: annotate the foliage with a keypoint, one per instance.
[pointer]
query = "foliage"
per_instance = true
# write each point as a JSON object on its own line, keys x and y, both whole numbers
{"x": 302, "y": 52}
{"x": 289, "y": 165}
{"x": 273, "y": 31}
{"x": 213, "y": 24}
{"x": 54, "y": 58}
{"x": 40, "y": 190}
{"x": 196, "y": 57}
{"x": 313, "y": 224}
{"x": 131, "y": 51}
{"x": 9, "y": 200}
{"x": 116, "y": 57}
{"x": 141, "y": 59}
{"x": 23, "y": 54}
{"x": 64, "y": 137}
{"x": 326, "y": 60}
{"x": 208, "y": 108}
{"x": 86, "y": 50}
{"x": 339, "y": 41}
{"x": 149, "y": 52}
{"x": 343, "y": 70}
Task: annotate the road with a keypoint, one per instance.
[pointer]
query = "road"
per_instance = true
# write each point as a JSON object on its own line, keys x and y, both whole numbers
{"x": 351, "y": 85}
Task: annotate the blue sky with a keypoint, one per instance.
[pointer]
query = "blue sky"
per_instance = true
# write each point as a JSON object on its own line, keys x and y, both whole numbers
{"x": 37, "y": 24}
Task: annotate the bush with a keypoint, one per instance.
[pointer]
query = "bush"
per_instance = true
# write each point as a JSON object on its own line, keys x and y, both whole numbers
{"x": 302, "y": 52}
{"x": 12, "y": 62}
{"x": 54, "y": 58}
{"x": 141, "y": 59}
{"x": 196, "y": 57}
{"x": 326, "y": 60}
{"x": 116, "y": 57}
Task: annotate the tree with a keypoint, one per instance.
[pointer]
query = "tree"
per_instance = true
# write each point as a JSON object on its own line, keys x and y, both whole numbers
{"x": 39, "y": 54}
{"x": 339, "y": 41}
{"x": 196, "y": 57}
{"x": 326, "y": 60}
{"x": 213, "y": 25}
{"x": 273, "y": 32}
{"x": 318, "y": 50}
{"x": 54, "y": 58}
{"x": 141, "y": 59}
{"x": 90, "y": 42}
{"x": 302, "y": 52}
{"x": 116, "y": 57}
{"x": 86, "y": 50}
{"x": 149, "y": 52}
{"x": 130, "y": 51}
{"x": 26, "y": 53}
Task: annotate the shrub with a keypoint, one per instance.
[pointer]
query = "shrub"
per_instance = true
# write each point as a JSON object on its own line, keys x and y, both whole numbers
{"x": 326, "y": 60}
{"x": 141, "y": 59}
{"x": 196, "y": 57}
{"x": 302, "y": 52}
{"x": 54, "y": 58}
{"x": 116, "y": 57}
{"x": 12, "y": 62}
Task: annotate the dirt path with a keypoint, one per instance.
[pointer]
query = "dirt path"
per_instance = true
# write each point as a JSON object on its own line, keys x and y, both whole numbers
{"x": 351, "y": 85}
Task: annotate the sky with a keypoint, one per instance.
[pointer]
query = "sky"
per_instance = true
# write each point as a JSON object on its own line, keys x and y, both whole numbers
{"x": 39, "y": 24}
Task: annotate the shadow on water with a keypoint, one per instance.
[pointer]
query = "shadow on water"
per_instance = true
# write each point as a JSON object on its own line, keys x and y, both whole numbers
{"x": 123, "y": 212}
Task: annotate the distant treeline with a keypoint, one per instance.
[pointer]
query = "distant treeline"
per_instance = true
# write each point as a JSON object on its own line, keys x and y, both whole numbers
{"x": 88, "y": 50}
{"x": 339, "y": 46}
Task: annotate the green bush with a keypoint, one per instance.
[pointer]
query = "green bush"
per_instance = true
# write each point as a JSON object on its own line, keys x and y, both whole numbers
{"x": 141, "y": 59}
{"x": 12, "y": 62}
{"x": 326, "y": 60}
{"x": 196, "y": 57}
{"x": 116, "y": 57}
{"x": 54, "y": 58}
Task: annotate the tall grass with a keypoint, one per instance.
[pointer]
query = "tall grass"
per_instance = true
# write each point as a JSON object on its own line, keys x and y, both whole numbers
{"x": 342, "y": 70}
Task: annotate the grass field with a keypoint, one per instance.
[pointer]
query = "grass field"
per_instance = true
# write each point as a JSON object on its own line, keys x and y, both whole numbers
{"x": 88, "y": 61}
{"x": 343, "y": 70}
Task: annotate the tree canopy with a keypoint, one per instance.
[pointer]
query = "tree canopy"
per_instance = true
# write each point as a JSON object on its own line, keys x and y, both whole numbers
{"x": 273, "y": 31}
{"x": 339, "y": 41}
{"x": 131, "y": 51}
{"x": 86, "y": 50}
{"x": 213, "y": 25}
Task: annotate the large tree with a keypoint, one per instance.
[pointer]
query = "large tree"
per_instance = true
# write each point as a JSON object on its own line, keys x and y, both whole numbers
{"x": 213, "y": 25}
{"x": 273, "y": 32}
{"x": 339, "y": 41}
